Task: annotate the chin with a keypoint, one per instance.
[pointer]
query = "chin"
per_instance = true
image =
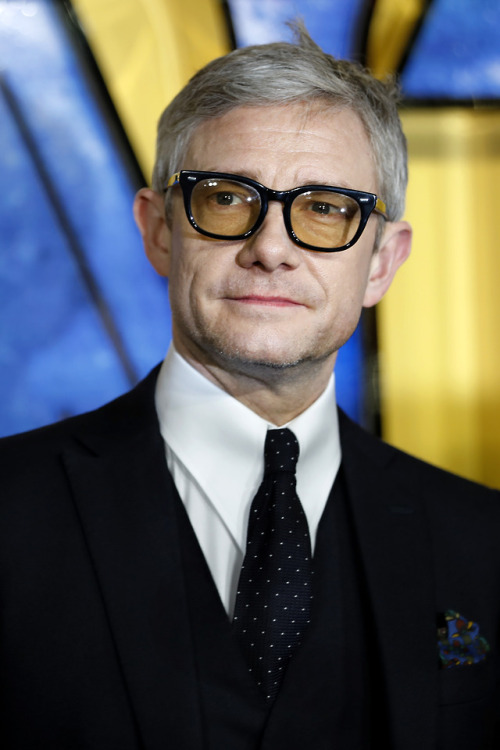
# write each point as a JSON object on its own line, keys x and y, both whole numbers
{"x": 266, "y": 360}
{"x": 257, "y": 358}
{"x": 246, "y": 353}
{"x": 265, "y": 351}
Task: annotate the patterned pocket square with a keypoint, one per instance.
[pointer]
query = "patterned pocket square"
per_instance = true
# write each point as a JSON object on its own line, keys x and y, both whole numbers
{"x": 459, "y": 642}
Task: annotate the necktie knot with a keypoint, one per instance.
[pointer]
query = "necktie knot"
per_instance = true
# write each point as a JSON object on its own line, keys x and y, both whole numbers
{"x": 281, "y": 451}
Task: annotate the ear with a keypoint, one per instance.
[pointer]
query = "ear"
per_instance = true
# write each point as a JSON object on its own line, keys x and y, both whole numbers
{"x": 393, "y": 250}
{"x": 149, "y": 214}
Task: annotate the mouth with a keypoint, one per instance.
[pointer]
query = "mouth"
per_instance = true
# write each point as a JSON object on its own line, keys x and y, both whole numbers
{"x": 266, "y": 301}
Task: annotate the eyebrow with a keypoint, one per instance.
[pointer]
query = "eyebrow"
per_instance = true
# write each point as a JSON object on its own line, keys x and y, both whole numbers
{"x": 250, "y": 175}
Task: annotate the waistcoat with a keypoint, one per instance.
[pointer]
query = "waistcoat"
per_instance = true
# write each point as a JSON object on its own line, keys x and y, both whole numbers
{"x": 327, "y": 698}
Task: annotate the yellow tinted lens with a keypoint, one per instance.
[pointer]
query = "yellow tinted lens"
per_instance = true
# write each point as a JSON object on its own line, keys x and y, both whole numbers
{"x": 225, "y": 207}
{"x": 325, "y": 219}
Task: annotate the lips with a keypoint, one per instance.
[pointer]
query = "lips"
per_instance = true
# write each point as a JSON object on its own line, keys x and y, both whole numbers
{"x": 272, "y": 301}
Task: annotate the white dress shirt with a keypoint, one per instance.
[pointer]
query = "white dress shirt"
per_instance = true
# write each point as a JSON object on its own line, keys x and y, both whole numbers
{"x": 215, "y": 453}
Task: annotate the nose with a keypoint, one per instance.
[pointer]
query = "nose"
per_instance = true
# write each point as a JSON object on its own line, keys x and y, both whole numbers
{"x": 270, "y": 247}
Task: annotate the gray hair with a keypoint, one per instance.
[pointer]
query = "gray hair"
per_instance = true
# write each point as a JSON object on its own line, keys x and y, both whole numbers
{"x": 282, "y": 73}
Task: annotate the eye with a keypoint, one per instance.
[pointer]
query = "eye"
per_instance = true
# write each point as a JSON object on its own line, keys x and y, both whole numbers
{"x": 225, "y": 198}
{"x": 328, "y": 206}
{"x": 326, "y": 209}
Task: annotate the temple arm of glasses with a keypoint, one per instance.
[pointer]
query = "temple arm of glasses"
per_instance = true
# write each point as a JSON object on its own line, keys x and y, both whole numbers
{"x": 175, "y": 179}
{"x": 380, "y": 207}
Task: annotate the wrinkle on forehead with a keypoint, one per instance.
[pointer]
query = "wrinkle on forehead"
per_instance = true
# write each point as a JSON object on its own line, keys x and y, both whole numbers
{"x": 305, "y": 134}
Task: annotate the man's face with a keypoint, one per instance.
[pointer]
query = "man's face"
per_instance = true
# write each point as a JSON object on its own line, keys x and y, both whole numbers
{"x": 266, "y": 301}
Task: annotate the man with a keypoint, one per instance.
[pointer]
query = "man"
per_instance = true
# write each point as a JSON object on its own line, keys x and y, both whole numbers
{"x": 145, "y": 545}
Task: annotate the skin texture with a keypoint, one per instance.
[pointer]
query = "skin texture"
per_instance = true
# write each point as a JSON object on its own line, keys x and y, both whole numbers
{"x": 264, "y": 318}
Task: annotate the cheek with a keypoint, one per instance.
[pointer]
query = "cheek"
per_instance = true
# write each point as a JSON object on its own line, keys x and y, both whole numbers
{"x": 337, "y": 279}
{"x": 184, "y": 257}
{"x": 342, "y": 281}
{"x": 180, "y": 280}
{"x": 191, "y": 281}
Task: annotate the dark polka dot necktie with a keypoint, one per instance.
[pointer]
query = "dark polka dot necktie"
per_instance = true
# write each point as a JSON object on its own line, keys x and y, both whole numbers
{"x": 273, "y": 601}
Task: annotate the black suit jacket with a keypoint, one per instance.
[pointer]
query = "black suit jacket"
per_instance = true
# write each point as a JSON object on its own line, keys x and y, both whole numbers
{"x": 95, "y": 648}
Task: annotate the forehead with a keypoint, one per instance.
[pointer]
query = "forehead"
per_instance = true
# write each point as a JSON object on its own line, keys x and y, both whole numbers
{"x": 286, "y": 145}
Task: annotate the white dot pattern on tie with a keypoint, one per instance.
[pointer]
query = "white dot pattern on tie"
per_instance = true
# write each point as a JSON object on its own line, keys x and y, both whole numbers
{"x": 273, "y": 601}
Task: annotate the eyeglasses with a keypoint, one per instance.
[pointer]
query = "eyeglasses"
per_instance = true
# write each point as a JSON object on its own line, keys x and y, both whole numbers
{"x": 317, "y": 217}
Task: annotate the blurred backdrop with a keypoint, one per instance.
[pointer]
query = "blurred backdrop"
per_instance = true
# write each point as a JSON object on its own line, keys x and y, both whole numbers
{"x": 82, "y": 315}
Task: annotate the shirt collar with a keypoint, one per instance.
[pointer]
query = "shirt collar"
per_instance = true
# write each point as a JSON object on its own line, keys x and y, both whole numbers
{"x": 220, "y": 441}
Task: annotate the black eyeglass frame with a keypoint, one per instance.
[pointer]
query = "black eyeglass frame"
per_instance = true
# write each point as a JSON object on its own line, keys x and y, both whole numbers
{"x": 187, "y": 179}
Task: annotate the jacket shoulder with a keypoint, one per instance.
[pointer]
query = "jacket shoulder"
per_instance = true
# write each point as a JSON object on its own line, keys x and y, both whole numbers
{"x": 428, "y": 479}
{"x": 132, "y": 411}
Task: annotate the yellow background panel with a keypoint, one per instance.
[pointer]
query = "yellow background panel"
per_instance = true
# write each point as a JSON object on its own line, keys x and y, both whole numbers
{"x": 392, "y": 26}
{"x": 146, "y": 51}
{"x": 439, "y": 325}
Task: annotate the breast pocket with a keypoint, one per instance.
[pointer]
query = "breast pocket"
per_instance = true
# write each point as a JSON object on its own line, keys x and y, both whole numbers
{"x": 469, "y": 708}
{"x": 467, "y": 683}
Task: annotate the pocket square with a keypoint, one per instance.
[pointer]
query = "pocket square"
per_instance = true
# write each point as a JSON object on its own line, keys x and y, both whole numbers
{"x": 459, "y": 641}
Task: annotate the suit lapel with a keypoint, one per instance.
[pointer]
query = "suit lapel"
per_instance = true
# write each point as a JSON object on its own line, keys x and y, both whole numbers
{"x": 122, "y": 492}
{"x": 388, "y": 514}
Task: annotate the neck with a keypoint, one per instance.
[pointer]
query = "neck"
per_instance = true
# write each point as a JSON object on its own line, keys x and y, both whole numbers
{"x": 277, "y": 395}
